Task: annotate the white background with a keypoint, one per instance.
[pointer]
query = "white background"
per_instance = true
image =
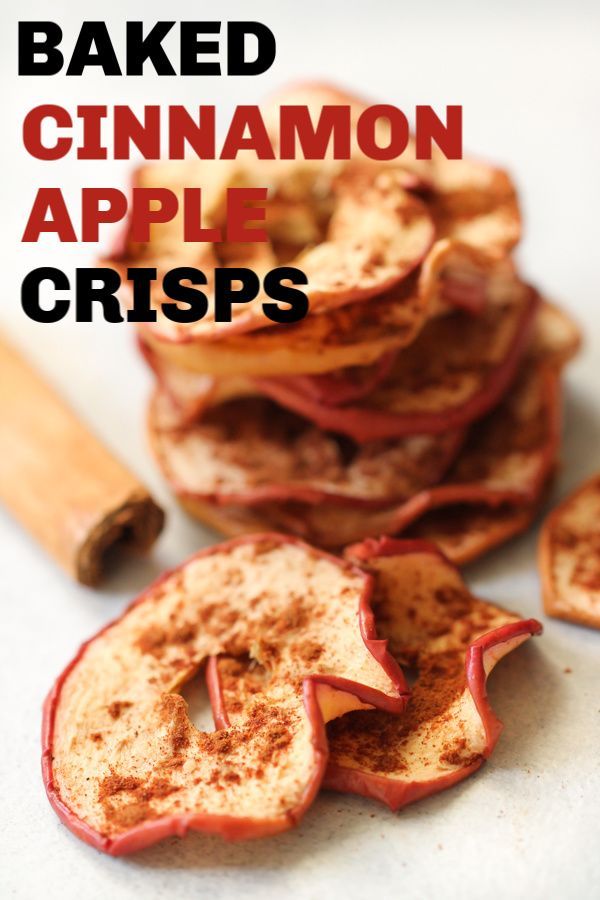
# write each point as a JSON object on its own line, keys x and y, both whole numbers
{"x": 528, "y": 824}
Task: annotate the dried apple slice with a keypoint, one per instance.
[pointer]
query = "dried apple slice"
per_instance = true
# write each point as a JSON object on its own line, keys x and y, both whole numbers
{"x": 124, "y": 766}
{"x": 569, "y": 557}
{"x": 354, "y": 335}
{"x": 467, "y": 531}
{"x": 435, "y": 625}
{"x": 191, "y": 393}
{"x": 489, "y": 494}
{"x": 435, "y": 383}
{"x": 454, "y": 372}
{"x": 453, "y": 640}
{"x": 345, "y": 385}
{"x": 249, "y": 451}
{"x": 506, "y": 462}
{"x": 453, "y": 276}
{"x": 377, "y": 234}
{"x": 471, "y": 201}
{"x": 475, "y": 203}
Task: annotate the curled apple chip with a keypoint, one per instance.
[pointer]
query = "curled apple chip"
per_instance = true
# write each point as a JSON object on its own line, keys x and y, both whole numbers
{"x": 436, "y": 379}
{"x": 344, "y": 385}
{"x": 489, "y": 494}
{"x": 456, "y": 370}
{"x": 358, "y": 334}
{"x": 435, "y": 626}
{"x": 353, "y": 335}
{"x": 375, "y": 234}
{"x": 293, "y": 175}
{"x": 465, "y": 532}
{"x": 453, "y": 640}
{"x": 505, "y": 463}
{"x": 452, "y": 276}
{"x": 123, "y": 764}
{"x": 569, "y": 557}
{"x": 249, "y": 451}
{"x": 470, "y": 200}
{"x": 475, "y": 203}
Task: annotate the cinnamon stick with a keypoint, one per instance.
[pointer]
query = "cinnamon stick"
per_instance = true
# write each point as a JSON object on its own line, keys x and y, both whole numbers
{"x": 60, "y": 482}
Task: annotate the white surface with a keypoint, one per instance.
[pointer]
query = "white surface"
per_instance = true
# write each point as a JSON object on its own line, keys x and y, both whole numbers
{"x": 528, "y": 824}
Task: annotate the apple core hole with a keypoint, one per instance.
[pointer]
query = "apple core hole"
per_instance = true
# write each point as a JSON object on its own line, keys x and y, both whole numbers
{"x": 195, "y": 693}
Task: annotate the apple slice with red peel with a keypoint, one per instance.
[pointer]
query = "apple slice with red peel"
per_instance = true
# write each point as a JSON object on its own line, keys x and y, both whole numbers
{"x": 569, "y": 557}
{"x": 357, "y": 334}
{"x": 471, "y": 200}
{"x": 475, "y": 203}
{"x": 192, "y": 393}
{"x": 249, "y": 451}
{"x": 345, "y": 385}
{"x": 377, "y": 234}
{"x": 466, "y": 531}
{"x": 490, "y": 493}
{"x": 453, "y": 276}
{"x": 435, "y": 625}
{"x": 506, "y": 462}
{"x": 124, "y": 766}
{"x": 456, "y": 369}
{"x": 462, "y": 532}
{"x": 453, "y": 640}
{"x": 454, "y": 372}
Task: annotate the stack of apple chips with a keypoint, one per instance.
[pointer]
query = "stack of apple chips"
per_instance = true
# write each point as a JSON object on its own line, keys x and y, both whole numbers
{"x": 419, "y": 397}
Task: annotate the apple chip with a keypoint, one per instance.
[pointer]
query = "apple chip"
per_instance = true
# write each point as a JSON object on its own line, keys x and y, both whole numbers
{"x": 293, "y": 175}
{"x": 569, "y": 557}
{"x": 453, "y": 640}
{"x": 475, "y": 203}
{"x": 376, "y": 233}
{"x": 344, "y": 385}
{"x": 505, "y": 463}
{"x": 436, "y": 628}
{"x": 358, "y": 334}
{"x": 249, "y": 451}
{"x": 489, "y": 494}
{"x": 353, "y": 335}
{"x": 123, "y": 764}
{"x": 471, "y": 201}
{"x": 454, "y": 372}
{"x": 465, "y": 532}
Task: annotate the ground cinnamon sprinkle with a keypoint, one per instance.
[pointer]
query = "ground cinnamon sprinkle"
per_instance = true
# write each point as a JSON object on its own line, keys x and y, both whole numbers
{"x": 115, "y": 784}
{"x": 378, "y": 740}
{"x": 117, "y": 706}
{"x": 136, "y": 807}
{"x": 152, "y": 640}
{"x": 309, "y": 651}
{"x": 457, "y": 757}
{"x": 174, "y": 713}
{"x": 586, "y": 572}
